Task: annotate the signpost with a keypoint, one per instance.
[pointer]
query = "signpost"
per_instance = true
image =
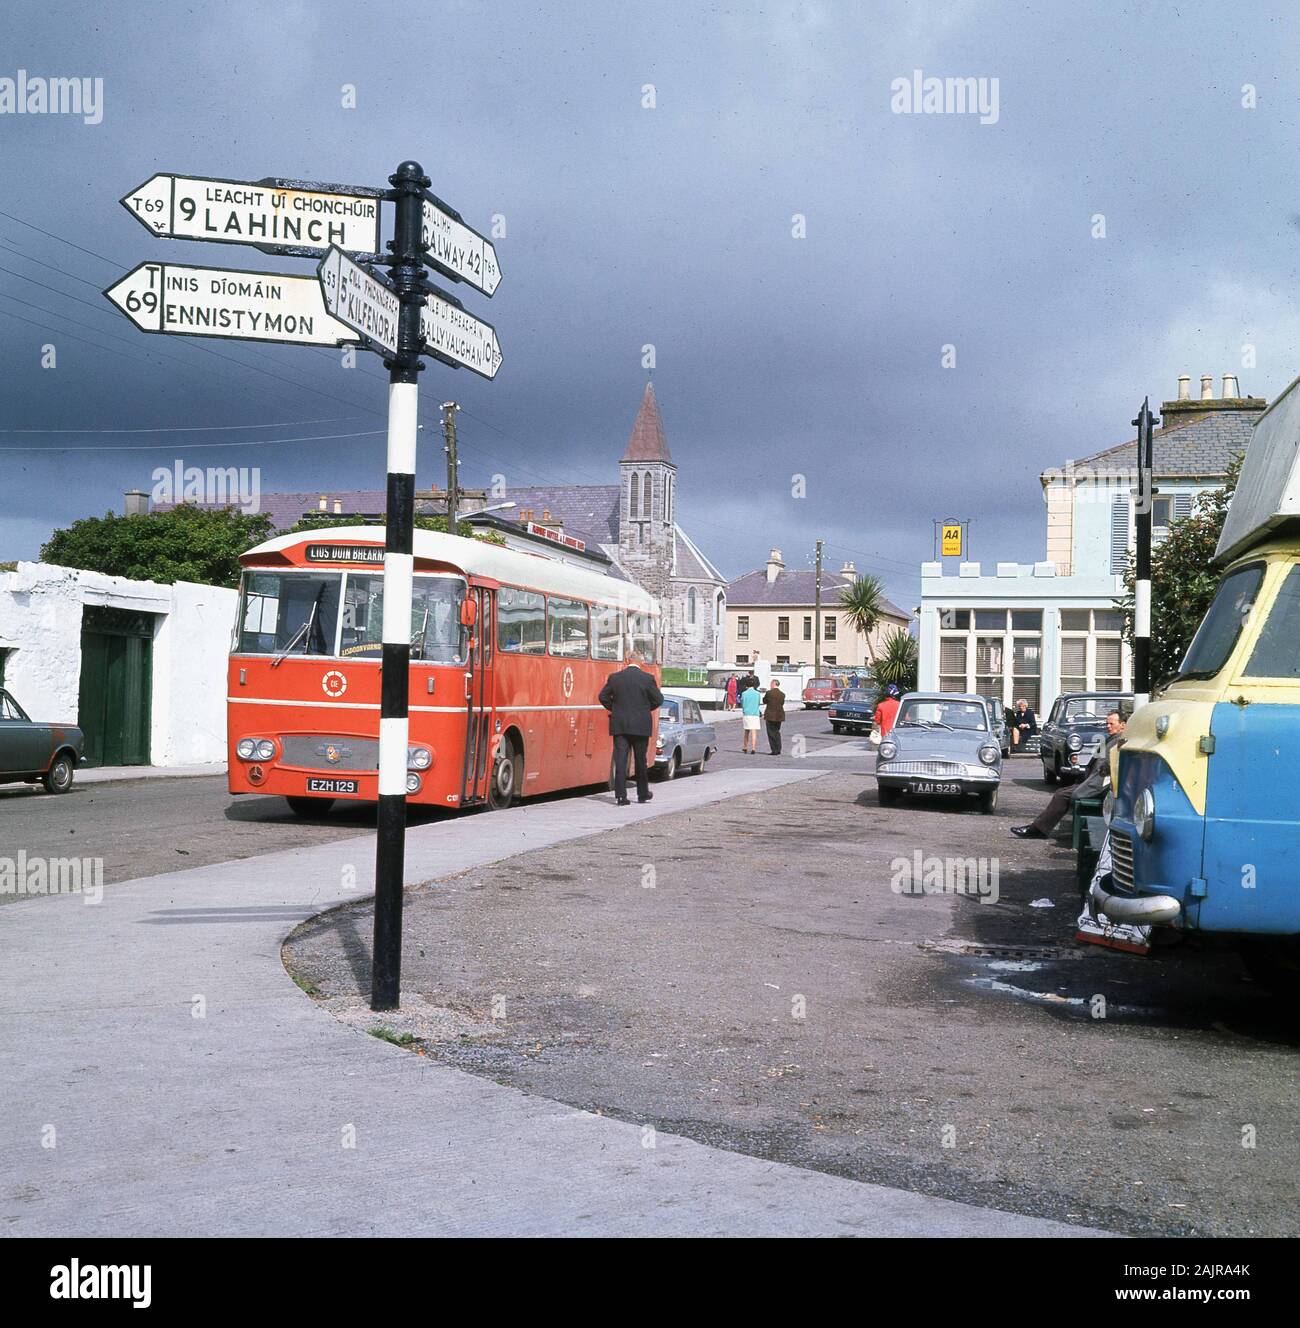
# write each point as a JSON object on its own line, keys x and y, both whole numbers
{"x": 455, "y": 249}
{"x": 220, "y": 302}
{"x": 344, "y": 303}
{"x": 950, "y": 540}
{"x": 361, "y": 301}
{"x": 273, "y": 215}
{"x": 458, "y": 337}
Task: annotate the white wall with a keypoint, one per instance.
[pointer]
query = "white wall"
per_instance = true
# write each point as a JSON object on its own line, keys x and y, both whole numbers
{"x": 40, "y": 623}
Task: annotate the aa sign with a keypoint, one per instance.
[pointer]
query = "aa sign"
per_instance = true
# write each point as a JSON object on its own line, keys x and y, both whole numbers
{"x": 950, "y": 539}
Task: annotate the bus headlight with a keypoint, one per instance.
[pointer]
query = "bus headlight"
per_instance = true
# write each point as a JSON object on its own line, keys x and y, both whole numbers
{"x": 255, "y": 749}
{"x": 1144, "y": 814}
{"x": 246, "y": 749}
{"x": 989, "y": 755}
{"x": 413, "y": 782}
{"x": 418, "y": 758}
{"x": 1074, "y": 742}
{"x": 888, "y": 750}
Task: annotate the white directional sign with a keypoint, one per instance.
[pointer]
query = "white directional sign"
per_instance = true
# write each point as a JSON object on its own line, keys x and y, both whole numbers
{"x": 458, "y": 337}
{"x": 219, "y": 302}
{"x": 269, "y": 214}
{"x": 361, "y": 301}
{"x": 457, "y": 249}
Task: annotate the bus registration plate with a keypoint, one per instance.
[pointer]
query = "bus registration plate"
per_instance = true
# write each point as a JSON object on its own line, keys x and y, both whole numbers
{"x": 331, "y": 786}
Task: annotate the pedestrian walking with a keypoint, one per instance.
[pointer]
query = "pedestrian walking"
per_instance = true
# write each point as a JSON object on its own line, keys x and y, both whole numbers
{"x": 731, "y": 691}
{"x": 751, "y": 704}
{"x": 887, "y": 710}
{"x": 774, "y": 715}
{"x": 631, "y": 697}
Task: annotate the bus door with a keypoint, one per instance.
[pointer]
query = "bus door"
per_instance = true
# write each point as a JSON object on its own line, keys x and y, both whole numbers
{"x": 478, "y": 700}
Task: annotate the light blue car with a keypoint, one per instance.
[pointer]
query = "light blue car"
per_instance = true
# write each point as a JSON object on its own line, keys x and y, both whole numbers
{"x": 685, "y": 740}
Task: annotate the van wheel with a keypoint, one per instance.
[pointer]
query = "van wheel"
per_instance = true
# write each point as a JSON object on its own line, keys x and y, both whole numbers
{"x": 58, "y": 778}
{"x": 503, "y": 787}
{"x": 989, "y": 801}
{"x": 1275, "y": 965}
{"x": 310, "y": 806}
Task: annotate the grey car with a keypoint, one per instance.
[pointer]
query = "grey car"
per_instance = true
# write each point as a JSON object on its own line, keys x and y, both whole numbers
{"x": 685, "y": 741}
{"x": 1001, "y": 725}
{"x": 941, "y": 743}
{"x": 1075, "y": 731}
{"x": 31, "y": 751}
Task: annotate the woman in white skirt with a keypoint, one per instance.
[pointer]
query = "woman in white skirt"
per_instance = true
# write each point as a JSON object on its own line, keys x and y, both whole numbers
{"x": 751, "y": 706}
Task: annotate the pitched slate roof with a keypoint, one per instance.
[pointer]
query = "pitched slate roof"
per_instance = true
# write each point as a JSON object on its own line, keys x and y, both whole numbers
{"x": 589, "y": 511}
{"x": 1201, "y": 445}
{"x": 794, "y": 588}
{"x": 688, "y": 562}
{"x": 647, "y": 442}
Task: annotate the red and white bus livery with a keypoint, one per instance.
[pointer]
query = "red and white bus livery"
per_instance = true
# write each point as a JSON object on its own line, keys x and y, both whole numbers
{"x": 509, "y": 652}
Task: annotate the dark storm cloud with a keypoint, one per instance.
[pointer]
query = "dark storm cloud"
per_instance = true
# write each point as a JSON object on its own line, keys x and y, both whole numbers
{"x": 776, "y": 356}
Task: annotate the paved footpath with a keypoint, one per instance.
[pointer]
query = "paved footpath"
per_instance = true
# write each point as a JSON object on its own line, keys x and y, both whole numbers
{"x": 268, "y": 1117}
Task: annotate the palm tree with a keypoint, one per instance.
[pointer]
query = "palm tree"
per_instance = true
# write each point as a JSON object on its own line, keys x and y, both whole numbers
{"x": 897, "y": 662}
{"x": 863, "y": 602}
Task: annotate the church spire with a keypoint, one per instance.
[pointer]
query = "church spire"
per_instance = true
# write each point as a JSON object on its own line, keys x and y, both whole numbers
{"x": 647, "y": 442}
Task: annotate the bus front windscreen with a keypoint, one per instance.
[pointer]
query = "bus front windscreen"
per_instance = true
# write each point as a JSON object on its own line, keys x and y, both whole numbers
{"x": 291, "y": 613}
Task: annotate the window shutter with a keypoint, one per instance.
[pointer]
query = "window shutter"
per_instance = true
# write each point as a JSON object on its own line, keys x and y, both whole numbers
{"x": 1118, "y": 534}
{"x": 1182, "y": 506}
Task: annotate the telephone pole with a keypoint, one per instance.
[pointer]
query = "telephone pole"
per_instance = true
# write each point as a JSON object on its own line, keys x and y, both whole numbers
{"x": 449, "y": 409}
{"x": 817, "y": 617}
{"x": 1142, "y": 571}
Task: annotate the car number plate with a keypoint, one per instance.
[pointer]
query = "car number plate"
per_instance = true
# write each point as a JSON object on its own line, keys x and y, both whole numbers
{"x": 331, "y": 786}
{"x": 933, "y": 786}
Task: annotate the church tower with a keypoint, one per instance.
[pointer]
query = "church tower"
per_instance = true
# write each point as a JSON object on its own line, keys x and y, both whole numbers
{"x": 647, "y": 502}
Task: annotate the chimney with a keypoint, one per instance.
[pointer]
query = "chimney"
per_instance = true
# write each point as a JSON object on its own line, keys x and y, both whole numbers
{"x": 774, "y": 565}
{"x": 135, "y": 502}
{"x": 849, "y": 570}
{"x": 1184, "y": 387}
{"x": 1207, "y": 387}
{"x": 1230, "y": 386}
{"x": 323, "y": 505}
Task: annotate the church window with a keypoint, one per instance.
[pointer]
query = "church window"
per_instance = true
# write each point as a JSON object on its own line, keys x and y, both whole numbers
{"x": 690, "y": 606}
{"x": 634, "y": 496}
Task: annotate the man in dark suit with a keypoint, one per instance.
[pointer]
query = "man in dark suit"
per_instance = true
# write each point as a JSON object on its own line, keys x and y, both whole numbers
{"x": 1095, "y": 782}
{"x": 631, "y": 697}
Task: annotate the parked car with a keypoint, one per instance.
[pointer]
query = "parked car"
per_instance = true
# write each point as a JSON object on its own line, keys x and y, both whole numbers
{"x": 941, "y": 743}
{"x": 852, "y": 710}
{"x": 1001, "y": 724}
{"x": 1075, "y": 731}
{"x": 684, "y": 740}
{"x": 31, "y": 751}
{"x": 820, "y": 692}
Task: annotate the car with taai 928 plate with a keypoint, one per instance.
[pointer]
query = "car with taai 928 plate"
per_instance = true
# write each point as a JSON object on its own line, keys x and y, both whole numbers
{"x": 853, "y": 711}
{"x": 32, "y": 751}
{"x": 1075, "y": 731}
{"x": 684, "y": 741}
{"x": 941, "y": 743}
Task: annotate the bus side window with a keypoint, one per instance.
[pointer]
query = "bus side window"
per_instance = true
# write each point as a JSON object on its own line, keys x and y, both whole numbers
{"x": 606, "y": 632}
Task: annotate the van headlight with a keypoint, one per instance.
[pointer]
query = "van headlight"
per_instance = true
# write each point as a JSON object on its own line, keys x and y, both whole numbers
{"x": 887, "y": 750}
{"x": 1144, "y": 814}
{"x": 418, "y": 758}
{"x": 1162, "y": 725}
{"x": 989, "y": 755}
{"x": 1074, "y": 742}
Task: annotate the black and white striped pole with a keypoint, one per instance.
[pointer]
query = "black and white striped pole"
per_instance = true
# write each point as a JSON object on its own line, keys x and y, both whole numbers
{"x": 407, "y": 271}
{"x": 1142, "y": 567}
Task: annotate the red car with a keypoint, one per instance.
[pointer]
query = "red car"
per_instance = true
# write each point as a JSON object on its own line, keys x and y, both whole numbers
{"x": 822, "y": 691}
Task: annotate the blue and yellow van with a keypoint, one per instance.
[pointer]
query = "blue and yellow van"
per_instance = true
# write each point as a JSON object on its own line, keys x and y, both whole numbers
{"x": 1205, "y": 828}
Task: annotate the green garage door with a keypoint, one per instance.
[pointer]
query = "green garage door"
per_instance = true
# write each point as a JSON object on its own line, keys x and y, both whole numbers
{"x": 116, "y": 685}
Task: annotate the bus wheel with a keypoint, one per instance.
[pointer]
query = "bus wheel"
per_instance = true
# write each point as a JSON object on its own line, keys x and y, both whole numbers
{"x": 505, "y": 776}
{"x": 310, "y": 806}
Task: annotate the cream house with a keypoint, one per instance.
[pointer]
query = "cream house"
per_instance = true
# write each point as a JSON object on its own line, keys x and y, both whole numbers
{"x": 770, "y": 615}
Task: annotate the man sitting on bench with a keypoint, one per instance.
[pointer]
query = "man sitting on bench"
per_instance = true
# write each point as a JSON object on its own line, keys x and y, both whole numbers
{"x": 1092, "y": 785}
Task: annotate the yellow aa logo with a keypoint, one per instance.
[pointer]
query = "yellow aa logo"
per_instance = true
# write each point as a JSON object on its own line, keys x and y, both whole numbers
{"x": 950, "y": 539}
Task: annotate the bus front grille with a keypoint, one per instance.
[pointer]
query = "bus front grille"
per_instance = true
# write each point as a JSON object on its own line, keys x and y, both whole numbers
{"x": 1121, "y": 858}
{"x": 324, "y": 752}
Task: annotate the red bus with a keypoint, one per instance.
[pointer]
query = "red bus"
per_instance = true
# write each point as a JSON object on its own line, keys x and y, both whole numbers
{"x": 509, "y": 652}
